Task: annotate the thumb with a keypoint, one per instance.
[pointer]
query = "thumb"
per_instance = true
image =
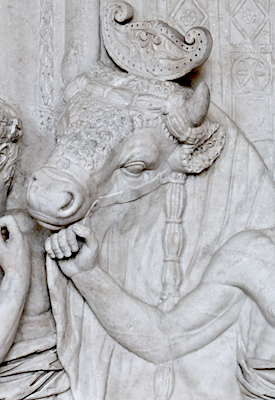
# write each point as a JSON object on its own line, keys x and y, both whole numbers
{"x": 85, "y": 233}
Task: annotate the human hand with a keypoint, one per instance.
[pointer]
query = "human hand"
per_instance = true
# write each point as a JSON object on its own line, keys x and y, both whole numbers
{"x": 14, "y": 249}
{"x": 74, "y": 255}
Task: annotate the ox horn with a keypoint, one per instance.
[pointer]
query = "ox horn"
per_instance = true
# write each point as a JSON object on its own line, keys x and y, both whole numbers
{"x": 197, "y": 105}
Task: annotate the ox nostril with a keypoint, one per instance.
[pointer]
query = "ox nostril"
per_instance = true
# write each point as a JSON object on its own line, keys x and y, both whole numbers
{"x": 69, "y": 202}
{"x": 31, "y": 188}
{"x": 32, "y": 179}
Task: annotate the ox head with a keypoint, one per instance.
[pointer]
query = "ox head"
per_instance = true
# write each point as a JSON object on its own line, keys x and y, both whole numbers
{"x": 119, "y": 131}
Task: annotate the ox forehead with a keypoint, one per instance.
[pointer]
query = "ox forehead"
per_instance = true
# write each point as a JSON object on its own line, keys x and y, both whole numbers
{"x": 115, "y": 137}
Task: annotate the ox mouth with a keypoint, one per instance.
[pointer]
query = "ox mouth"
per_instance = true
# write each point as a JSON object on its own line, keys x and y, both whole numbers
{"x": 46, "y": 222}
{"x": 50, "y": 227}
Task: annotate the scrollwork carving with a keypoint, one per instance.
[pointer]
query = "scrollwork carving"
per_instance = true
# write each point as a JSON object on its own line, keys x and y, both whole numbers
{"x": 152, "y": 49}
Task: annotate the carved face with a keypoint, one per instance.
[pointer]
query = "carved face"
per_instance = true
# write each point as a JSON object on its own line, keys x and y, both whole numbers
{"x": 104, "y": 149}
{"x": 62, "y": 192}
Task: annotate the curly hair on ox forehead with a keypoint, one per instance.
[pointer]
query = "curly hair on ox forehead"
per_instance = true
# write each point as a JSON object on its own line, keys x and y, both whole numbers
{"x": 92, "y": 129}
{"x": 104, "y": 106}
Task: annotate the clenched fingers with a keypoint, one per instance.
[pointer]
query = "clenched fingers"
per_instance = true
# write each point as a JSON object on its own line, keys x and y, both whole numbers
{"x": 52, "y": 247}
{"x": 63, "y": 243}
{"x": 87, "y": 234}
{"x": 71, "y": 239}
{"x": 55, "y": 246}
{"x": 48, "y": 247}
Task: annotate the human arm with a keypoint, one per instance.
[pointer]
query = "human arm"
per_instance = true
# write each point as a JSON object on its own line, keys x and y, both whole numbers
{"x": 16, "y": 264}
{"x": 154, "y": 335}
{"x": 247, "y": 261}
{"x": 145, "y": 330}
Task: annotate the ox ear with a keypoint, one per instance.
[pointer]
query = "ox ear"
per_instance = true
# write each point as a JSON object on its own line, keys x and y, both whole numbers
{"x": 195, "y": 158}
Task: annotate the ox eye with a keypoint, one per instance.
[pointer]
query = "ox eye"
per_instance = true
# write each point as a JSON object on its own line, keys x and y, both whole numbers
{"x": 135, "y": 168}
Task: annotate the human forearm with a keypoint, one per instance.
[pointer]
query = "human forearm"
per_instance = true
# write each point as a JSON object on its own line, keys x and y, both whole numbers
{"x": 132, "y": 323}
{"x": 156, "y": 336}
{"x": 150, "y": 333}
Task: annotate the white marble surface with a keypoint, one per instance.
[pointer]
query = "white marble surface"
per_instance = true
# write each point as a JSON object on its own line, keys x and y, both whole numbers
{"x": 144, "y": 266}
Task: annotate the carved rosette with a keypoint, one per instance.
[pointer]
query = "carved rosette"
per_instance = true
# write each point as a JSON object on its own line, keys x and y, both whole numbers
{"x": 152, "y": 49}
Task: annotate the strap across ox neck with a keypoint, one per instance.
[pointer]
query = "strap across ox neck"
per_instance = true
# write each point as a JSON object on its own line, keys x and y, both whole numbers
{"x": 130, "y": 195}
{"x": 63, "y": 164}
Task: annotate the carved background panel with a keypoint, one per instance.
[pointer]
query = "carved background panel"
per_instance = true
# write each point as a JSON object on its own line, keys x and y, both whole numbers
{"x": 31, "y": 53}
{"x": 249, "y": 94}
{"x": 44, "y": 45}
{"x": 240, "y": 69}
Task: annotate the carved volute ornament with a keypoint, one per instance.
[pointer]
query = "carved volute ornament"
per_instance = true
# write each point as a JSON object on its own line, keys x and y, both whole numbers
{"x": 152, "y": 49}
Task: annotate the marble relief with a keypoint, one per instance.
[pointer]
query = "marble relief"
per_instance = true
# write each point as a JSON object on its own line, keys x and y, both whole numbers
{"x": 143, "y": 267}
{"x": 29, "y": 362}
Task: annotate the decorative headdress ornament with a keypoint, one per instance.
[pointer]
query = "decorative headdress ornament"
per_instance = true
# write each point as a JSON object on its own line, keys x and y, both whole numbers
{"x": 152, "y": 49}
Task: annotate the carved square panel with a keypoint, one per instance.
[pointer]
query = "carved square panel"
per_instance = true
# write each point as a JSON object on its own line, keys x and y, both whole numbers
{"x": 249, "y": 17}
{"x": 187, "y": 13}
{"x": 252, "y": 114}
{"x": 251, "y": 72}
